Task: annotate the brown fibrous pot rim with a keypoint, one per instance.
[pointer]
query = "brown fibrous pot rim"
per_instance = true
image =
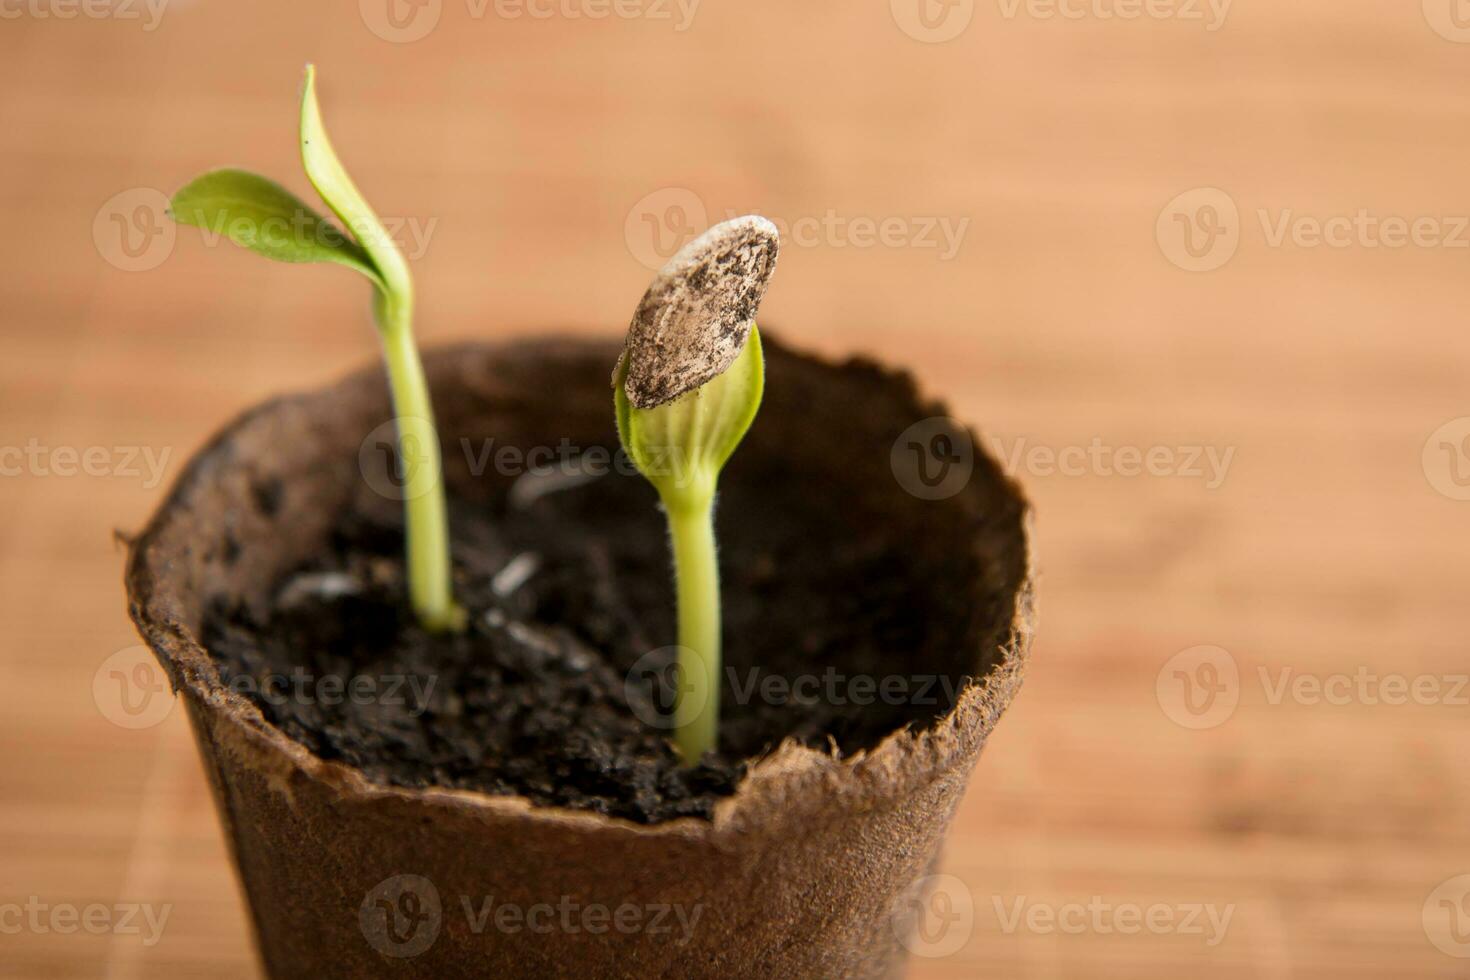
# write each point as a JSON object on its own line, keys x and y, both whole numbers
{"x": 791, "y": 775}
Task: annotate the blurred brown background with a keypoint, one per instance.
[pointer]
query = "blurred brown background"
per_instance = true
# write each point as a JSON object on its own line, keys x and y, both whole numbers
{"x": 1239, "y": 433}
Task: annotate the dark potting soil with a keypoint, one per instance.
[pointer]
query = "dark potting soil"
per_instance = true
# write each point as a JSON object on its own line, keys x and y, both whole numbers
{"x": 556, "y": 692}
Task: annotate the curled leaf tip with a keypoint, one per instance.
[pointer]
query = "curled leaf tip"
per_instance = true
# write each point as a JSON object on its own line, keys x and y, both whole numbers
{"x": 697, "y": 315}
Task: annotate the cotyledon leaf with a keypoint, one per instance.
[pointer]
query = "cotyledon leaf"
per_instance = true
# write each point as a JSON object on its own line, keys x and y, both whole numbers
{"x": 257, "y": 213}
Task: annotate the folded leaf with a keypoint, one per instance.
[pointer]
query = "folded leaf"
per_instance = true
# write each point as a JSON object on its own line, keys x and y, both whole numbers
{"x": 330, "y": 178}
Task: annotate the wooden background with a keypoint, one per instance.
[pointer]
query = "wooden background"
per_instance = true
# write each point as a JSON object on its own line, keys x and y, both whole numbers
{"x": 536, "y": 149}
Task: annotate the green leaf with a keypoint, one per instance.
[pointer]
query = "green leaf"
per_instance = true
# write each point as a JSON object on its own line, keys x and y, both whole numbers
{"x": 330, "y": 178}
{"x": 263, "y": 216}
{"x": 681, "y": 446}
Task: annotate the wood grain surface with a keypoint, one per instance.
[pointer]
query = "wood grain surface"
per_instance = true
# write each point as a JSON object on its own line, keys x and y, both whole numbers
{"x": 1264, "y": 455}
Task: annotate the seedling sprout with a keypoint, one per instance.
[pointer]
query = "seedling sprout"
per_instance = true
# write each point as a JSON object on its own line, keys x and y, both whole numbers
{"x": 263, "y": 216}
{"x": 686, "y": 389}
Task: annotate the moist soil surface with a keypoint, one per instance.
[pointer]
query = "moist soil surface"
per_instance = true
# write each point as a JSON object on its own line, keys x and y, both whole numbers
{"x": 557, "y": 691}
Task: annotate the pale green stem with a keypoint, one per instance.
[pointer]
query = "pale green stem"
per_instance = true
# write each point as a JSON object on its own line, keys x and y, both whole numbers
{"x": 426, "y": 523}
{"x": 697, "y": 575}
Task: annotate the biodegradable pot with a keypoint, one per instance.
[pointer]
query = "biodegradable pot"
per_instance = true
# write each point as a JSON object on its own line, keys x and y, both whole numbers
{"x": 799, "y": 874}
